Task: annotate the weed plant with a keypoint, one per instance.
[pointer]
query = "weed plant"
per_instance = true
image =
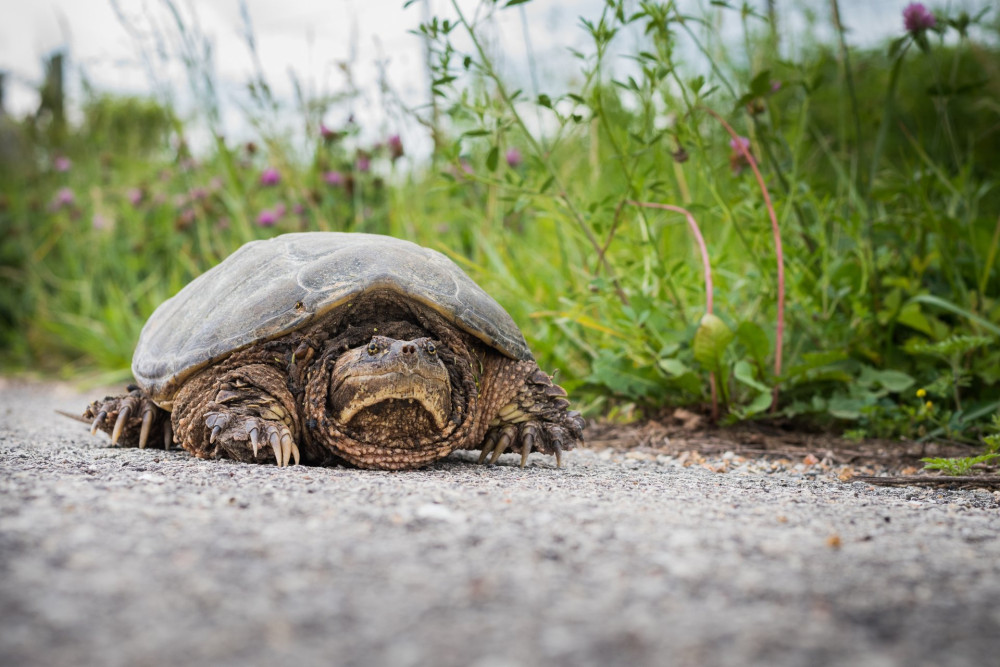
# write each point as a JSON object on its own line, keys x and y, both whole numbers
{"x": 847, "y": 201}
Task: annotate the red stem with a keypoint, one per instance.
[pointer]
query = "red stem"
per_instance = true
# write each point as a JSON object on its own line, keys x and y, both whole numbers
{"x": 708, "y": 278}
{"x": 780, "y": 327}
{"x": 697, "y": 236}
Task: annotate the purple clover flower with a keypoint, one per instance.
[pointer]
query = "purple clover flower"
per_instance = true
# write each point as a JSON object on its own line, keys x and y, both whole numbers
{"x": 333, "y": 178}
{"x": 62, "y": 164}
{"x": 63, "y": 199}
{"x": 100, "y": 222}
{"x": 736, "y": 145}
{"x": 270, "y": 176}
{"x": 738, "y": 159}
{"x": 514, "y": 158}
{"x": 267, "y": 218}
{"x": 395, "y": 145}
{"x": 187, "y": 218}
{"x": 327, "y": 133}
{"x": 917, "y": 18}
{"x": 135, "y": 196}
{"x": 364, "y": 163}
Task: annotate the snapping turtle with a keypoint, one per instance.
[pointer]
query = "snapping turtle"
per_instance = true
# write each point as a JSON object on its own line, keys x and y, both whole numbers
{"x": 332, "y": 347}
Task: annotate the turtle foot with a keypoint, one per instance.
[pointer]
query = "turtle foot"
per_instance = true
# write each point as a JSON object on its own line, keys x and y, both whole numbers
{"x": 245, "y": 438}
{"x": 129, "y": 419}
{"x": 537, "y": 420}
{"x": 527, "y": 437}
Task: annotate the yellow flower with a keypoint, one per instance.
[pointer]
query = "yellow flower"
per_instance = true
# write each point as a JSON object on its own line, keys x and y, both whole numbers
{"x": 921, "y": 393}
{"x": 928, "y": 405}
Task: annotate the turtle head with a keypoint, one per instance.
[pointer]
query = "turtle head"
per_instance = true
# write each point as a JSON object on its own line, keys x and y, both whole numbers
{"x": 390, "y": 383}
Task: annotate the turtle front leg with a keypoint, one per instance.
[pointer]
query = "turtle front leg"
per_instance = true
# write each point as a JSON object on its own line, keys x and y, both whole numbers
{"x": 246, "y": 414}
{"x": 536, "y": 420}
{"x": 130, "y": 419}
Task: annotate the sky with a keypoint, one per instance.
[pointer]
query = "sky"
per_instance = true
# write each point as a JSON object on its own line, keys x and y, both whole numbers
{"x": 330, "y": 45}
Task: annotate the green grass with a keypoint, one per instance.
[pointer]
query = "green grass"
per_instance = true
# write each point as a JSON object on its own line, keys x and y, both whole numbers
{"x": 886, "y": 200}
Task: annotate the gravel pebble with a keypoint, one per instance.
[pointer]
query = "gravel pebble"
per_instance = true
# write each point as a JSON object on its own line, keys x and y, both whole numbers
{"x": 124, "y": 557}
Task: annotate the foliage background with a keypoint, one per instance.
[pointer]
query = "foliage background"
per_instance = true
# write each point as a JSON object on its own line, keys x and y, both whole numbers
{"x": 882, "y": 168}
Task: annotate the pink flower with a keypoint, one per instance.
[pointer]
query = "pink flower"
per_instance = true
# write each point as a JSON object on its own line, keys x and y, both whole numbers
{"x": 775, "y": 86}
{"x": 298, "y": 209}
{"x": 280, "y": 209}
{"x": 135, "y": 196}
{"x": 267, "y": 218}
{"x": 327, "y": 133}
{"x": 100, "y": 222}
{"x": 364, "y": 163}
{"x": 63, "y": 199}
{"x": 395, "y": 145}
{"x": 735, "y": 145}
{"x": 737, "y": 158}
{"x": 270, "y": 176}
{"x": 197, "y": 194}
{"x": 333, "y": 178}
{"x": 514, "y": 158}
{"x": 916, "y": 17}
{"x": 62, "y": 164}
{"x": 187, "y": 218}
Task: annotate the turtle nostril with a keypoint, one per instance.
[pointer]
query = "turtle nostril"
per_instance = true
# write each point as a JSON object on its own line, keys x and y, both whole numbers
{"x": 409, "y": 349}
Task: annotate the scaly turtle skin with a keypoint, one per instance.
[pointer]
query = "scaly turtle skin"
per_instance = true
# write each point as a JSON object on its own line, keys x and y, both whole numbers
{"x": 332, "y": 347}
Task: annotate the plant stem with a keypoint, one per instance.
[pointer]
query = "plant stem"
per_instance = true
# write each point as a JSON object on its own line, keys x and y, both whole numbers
{"x": 845, "y": 57}
{"x": 779, "y": 333}
{"x": 990, "y": 259}
{"x": 540, "y": 153}
{"x": 706, "y": 267}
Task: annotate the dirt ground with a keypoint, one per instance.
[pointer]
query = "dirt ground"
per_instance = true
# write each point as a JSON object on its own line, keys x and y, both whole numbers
{"x": 678, "y": 431}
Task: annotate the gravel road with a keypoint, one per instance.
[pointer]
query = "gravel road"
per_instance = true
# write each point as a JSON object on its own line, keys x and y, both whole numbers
{"x": 126, "y": 557}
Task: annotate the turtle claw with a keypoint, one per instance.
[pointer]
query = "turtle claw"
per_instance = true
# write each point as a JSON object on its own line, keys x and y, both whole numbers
{"x": 233, "y": 435}
{"x": 120, "y": 423}
{"x": 98, "y": 420}
{"x": 254, "y": 433}
{"x": 507, "y": 435}
{"x": 133, "y": 415}
{"x": 147, "y": 422}
{"x": 526, "y": 437}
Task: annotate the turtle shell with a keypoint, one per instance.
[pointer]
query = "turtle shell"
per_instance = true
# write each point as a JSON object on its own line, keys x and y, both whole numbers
{"x": 268, "y": 289}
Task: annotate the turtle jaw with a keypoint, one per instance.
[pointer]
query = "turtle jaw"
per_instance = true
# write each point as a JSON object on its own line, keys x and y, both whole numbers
{"x": 388, "y": 370}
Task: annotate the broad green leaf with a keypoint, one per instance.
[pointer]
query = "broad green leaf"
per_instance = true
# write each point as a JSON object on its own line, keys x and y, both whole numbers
{"x": 895, "y": 381}
{"x": 759, "y": 404}
{"x": 493, "y": 158}
{"x": 845, "y": 407}
{"x": 913, "y": 317}
{"x": 621, "y": 376}
{"x": 755, "y": 341}
{"x": 674, "y": 367}
{"x": 761, "y": 84}
{"x": 743, "y": 372}
{"x": 711, "y": 340}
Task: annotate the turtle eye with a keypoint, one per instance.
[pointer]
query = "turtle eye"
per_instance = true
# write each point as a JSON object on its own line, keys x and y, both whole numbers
{"x": 431, "y": 349}
{"x": 373, "y": 348}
